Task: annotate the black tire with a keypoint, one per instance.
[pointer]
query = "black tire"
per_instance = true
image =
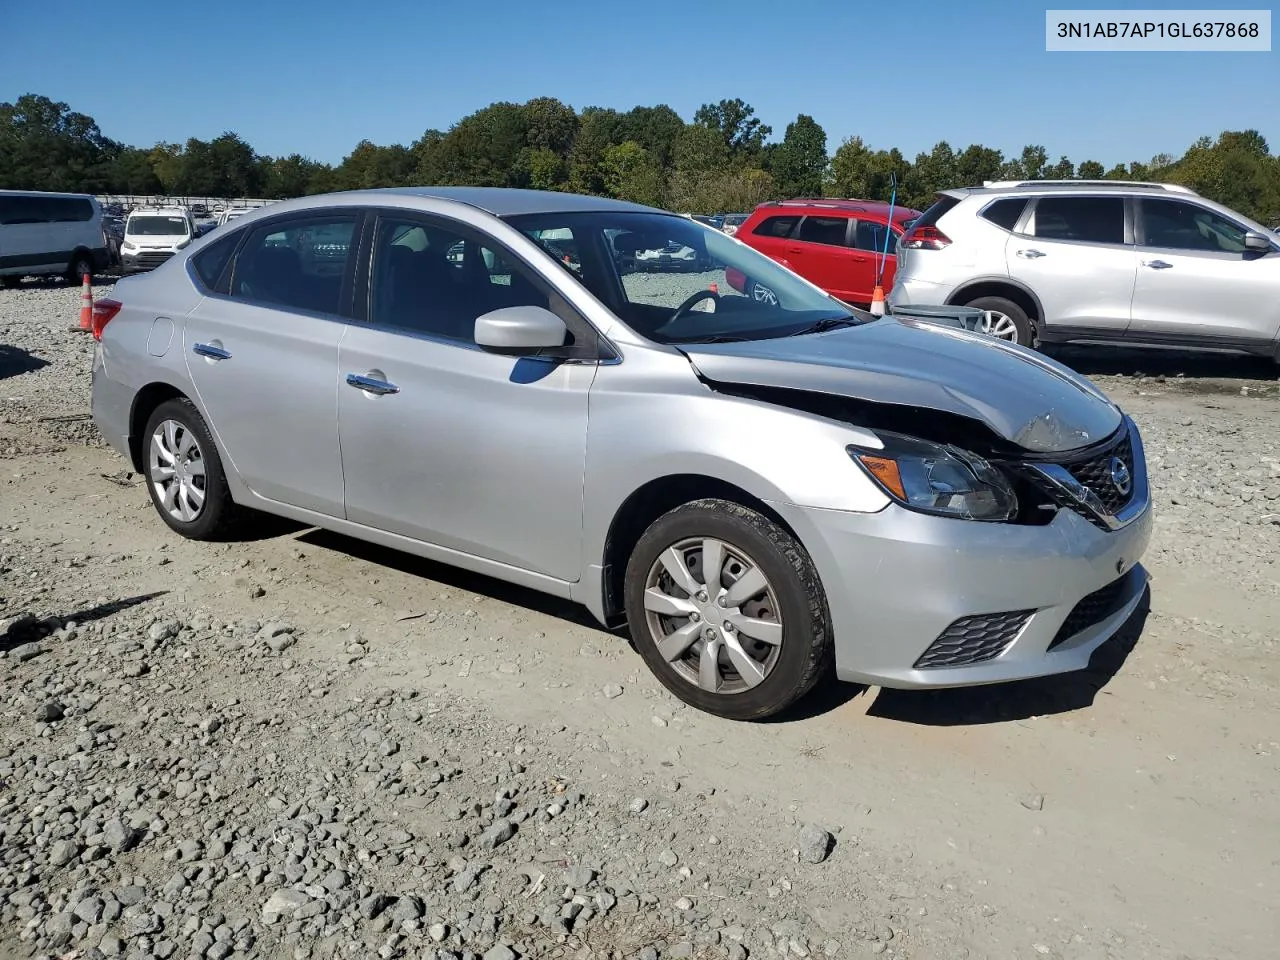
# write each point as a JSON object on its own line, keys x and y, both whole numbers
{"x": 219, "y": 515}
{"x": 1026, "y": 331}
{"x": 806, "y": 653}
{"x": 81, "y": 264}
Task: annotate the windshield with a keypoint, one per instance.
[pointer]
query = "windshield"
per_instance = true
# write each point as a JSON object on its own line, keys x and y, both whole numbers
{"x": 156, "y": 226}
{"x": 673, "y": 280}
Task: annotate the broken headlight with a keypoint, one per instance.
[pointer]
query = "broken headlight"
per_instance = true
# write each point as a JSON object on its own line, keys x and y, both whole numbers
{"x": 941, "y": 480}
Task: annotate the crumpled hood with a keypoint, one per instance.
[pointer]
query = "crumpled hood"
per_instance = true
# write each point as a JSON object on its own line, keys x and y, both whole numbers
{"x": 1024, "y": 397}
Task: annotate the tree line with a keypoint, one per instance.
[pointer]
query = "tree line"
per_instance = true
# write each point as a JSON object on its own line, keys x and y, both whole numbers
{"x": 724, "y": 160}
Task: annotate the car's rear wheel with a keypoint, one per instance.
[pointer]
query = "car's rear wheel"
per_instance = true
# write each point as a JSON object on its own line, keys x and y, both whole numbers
{"x": 727, "y": 610}
{"x": 1004, "y": 320}
{"x": 184, "y": 473}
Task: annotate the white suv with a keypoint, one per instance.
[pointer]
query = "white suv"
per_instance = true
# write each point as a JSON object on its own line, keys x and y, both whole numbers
{"x": 1103, "y": 261}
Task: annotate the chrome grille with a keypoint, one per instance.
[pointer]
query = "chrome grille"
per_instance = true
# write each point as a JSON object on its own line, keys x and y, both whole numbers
{"x": 1096, "y": 475}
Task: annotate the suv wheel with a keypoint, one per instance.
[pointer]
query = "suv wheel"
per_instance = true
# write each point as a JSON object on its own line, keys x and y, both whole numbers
{"x": 1005, "y": 320}
{"x": 727, "y": 610}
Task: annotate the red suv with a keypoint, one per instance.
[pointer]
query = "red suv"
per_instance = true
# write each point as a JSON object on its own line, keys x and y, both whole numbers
{"x": 835, "y": 244}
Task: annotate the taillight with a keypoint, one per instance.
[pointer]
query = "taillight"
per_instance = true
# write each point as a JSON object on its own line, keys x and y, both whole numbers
{"x": 104, "y": 312}
{"x": 736, "y": 279}
{"x": 925, "y": 238}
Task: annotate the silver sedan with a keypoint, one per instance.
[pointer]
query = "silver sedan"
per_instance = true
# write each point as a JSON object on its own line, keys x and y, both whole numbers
{"x": 767, "y": 489}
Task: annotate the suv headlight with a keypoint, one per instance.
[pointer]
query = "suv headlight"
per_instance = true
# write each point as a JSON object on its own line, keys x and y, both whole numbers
{"x": 941, "y": 480}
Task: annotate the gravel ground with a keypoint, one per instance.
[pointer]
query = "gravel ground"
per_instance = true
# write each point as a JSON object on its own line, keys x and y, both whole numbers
{"x": 303, "y": 746}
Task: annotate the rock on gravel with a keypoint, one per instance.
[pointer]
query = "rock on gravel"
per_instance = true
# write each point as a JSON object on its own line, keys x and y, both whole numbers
{"x": 814, "y": 843}
{"x": 283, "y": 903}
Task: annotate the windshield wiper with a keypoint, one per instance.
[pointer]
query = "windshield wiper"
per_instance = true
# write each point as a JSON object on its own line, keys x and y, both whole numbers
{"x": 827, "y": 323}
{"x": 719, "y": 338}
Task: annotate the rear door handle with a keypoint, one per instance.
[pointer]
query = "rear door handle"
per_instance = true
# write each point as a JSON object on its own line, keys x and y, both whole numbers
{"x": 1157, "y": 264}
{"x": 371, "y": 384}
{"x": 210, "y": 351}
{"x": 1029, "y": 254}
{"x": 795, "y": 249}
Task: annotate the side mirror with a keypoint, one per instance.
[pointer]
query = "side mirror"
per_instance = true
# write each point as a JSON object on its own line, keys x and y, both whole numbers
{"x": 520, "y": 330}
{"x": 1256, "y": 243}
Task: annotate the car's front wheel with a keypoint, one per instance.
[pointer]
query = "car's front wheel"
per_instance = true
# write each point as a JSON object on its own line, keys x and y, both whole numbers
{"x": 727, "y": 610}
{"x": 184, "y": 473}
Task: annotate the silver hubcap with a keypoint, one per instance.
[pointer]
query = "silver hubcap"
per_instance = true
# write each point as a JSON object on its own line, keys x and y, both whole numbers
{"x": 999, "y": 325}
{"x": 713, "y": 615}
{"x": 177, "y": 471}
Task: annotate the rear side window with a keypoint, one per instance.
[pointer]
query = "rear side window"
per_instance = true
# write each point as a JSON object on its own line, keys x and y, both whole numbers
{"x": 298, "y": 264}
{"x": 1005, "y": 213}
{"x": 869, "y": 235}
{"x": 1082, "y": 219}
{"x": 212, "y": 261}
{"x": 831, "y": 231}
{"x": 938, "y": 209}
{"x": 776, "y": 227}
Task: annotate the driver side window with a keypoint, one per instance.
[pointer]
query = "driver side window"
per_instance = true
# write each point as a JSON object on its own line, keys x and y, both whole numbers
{"x": 1177, "y": 225}
{"x": 434, "y": 279}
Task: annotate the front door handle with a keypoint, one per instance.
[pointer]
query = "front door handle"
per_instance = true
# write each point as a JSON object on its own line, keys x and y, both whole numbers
{"x": 210, "y": 351}
{"x": 1029, "y": 254}
{"x": 372, "y": 385}
{"x": 1157, "y": 264}
{"x": 795, "y": 249}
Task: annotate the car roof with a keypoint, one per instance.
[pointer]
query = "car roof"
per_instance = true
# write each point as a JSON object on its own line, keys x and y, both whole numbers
{"x": 1016, "y": 187}
{"x": 846, "y": 204}
{"x": 510, "y": 202}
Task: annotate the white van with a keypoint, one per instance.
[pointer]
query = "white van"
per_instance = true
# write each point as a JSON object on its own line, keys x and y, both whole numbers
{"x": 152, "y": 236}
{"x": 50, "y": 233}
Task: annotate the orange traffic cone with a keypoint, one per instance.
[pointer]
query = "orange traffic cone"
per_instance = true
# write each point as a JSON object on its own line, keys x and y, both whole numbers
{"x": 86, "y": 304}
{"x": 877, "y": 301}
{"x": 714, "y": 288}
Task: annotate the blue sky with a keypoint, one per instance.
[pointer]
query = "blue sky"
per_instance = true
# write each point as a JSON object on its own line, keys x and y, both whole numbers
{"x": 319, "y": 76}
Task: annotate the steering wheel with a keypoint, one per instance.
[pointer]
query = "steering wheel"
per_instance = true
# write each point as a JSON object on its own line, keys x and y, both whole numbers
{"x": 685, "y": 307}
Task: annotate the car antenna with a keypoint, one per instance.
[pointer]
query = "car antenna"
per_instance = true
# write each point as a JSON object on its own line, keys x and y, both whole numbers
{"x": 877, "y": 297}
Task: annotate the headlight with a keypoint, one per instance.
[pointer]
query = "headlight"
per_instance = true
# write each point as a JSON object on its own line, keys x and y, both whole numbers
{"x": 127, "y": 245}
{"x": 184, "y": 243}
{"x": 936, "y": 479}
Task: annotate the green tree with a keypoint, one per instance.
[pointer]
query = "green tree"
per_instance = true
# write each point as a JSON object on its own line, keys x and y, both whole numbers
{"x": 799, "y": 163}
{"x": 975, "y": 165}
{"x": 45, "y": 145}
{"x": 630, "y": 173}
{"x": 166, "y": 161}
{"x": 550, "y": 125}
{"x": 597, "y": 129}
{"x": 861, "y": 173}
{"x": 369, "y": 166}
{"x": 931, "y": 172}
{"x": 289, "y": 176}
{"x": 657, "y": 129}
{"x": 741, "y": 130}
{"x": 131, "y": 172}
{"x": 1064, "y": 169}
{"x": 700, "y": 150}
{"x": 1091, "y": 170}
